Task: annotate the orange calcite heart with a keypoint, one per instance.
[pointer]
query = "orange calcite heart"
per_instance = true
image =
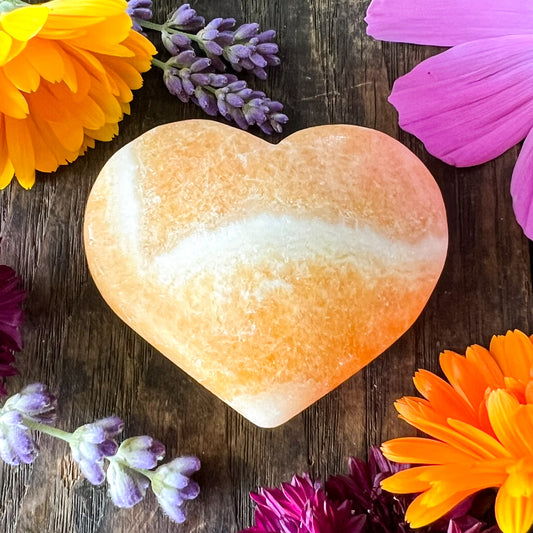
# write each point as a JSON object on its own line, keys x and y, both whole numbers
{"x": 269, "y": 273}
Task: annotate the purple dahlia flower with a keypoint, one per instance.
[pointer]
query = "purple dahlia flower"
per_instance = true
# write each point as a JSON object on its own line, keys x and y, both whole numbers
{"x": 11, "y": 317}
{"x": 302, "y": 506}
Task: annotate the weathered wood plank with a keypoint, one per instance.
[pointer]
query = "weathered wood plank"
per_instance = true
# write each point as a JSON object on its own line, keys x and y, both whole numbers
{"x": 332, "y": 72}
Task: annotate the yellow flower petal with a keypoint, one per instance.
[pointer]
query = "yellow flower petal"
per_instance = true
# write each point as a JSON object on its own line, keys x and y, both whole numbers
{"x": 67, "y": 69}
{"x": 5, "y": 46}
{"x": 24, "y": 23}
{"x": 513, "y": 514}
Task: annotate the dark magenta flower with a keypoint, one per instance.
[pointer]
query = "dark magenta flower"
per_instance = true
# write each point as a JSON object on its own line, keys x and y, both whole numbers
{"x": 302, "y": 506}
{"x": 11, "y": 317}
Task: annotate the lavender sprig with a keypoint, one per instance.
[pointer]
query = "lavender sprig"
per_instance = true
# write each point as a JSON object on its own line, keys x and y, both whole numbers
{"x": 133, "y": 466}
{"x": 196, "y": 70}
{"x": 192, "y": 79}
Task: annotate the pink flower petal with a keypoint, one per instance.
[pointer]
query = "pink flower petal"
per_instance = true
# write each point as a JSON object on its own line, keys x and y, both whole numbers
{"x": 522, "y": 187}
{"x": 471, "y": 103}
{"x": 447, "y": 22}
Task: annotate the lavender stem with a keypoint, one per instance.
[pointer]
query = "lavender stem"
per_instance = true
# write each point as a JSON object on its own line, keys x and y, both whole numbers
{"x": 162, "y": 27}
{"x": 52, "y": 431}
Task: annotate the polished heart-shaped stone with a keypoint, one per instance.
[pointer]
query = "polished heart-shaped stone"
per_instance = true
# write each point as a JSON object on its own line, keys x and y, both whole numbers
{"x": 269, "y": 273}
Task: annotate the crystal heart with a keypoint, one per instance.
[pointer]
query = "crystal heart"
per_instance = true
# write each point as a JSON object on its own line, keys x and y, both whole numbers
{"x": 269, "y": 273}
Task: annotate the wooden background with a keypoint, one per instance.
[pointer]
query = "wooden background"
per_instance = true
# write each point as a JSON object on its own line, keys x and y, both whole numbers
{"x": 331, "y": 73}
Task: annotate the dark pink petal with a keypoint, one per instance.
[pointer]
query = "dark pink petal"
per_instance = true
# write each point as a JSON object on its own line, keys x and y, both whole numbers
{"x": 471, "y": 103}
{"x": 522, "y": 187}
{"x": 447, "y": 22}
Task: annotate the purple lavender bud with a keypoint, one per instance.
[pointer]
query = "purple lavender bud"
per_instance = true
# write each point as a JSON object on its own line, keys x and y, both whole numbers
{"x": 184, "y": 59}
{"x": 215, "y": 36}
{"x": 254, "y": 111}
{"x": 174, "y": 85}
{"x": 175, "y": 42}
{"x": 209, "y": 34}
{"x": 252, "y": 51}
{"x": 35, "y": 402}
{"x": 211, "y": 47}
{"x": 186, "y": 19}
{"x": 218, "y": 80}
{"x": 139, "y": 10}
{"x": 200, "y": 79}
{"x": 259, "y": 73}
{"x": 206, "y": 101}
{"x": 267, "y": 49}
{"x": 188, "y": 85}
{"x": 172, "y": 485}
{"x": 126, "y": 487}
{"x": 200, "y": 64}
{"x": 142, "y": 452}
{"x": 234, "y": 100}
{"x": 16, "y": 445}
{"x": 246, "y": 31}
{"x": 91, "y": 443}
{"x": 266, "y": 36}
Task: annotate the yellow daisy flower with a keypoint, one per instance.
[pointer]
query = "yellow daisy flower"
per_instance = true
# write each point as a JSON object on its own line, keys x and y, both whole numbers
{"x": 67, "y": 68}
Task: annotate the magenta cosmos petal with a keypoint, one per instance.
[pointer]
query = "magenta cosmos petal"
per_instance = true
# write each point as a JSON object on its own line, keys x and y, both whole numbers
{"x": 447, "y": 22}
{"x": 522, "y": 187}
{"x": 471, "y": 103}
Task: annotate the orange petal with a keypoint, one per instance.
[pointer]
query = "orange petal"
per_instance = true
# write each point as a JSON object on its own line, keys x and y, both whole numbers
{"x": 12, "y": 102}
{"x": 46, "y": 58}
{"x": 106, "y": 133}
{"x": 462, "y": 375}
{"x": 513, "y": 514}
{"x": 106, "y": 37}
{"x": 6, "y": 168}
{"x": 441, "y": 431}
{"x": 45, "y": 160}
{"x": 491, "y": 445}
{"x": 20, "y": 151}
{"x": 22, "y": 74}
{"x": 422, "y": 451}
{"x": 486, "y": 366}
{"x": 407, "y": 481}
{"x": 443, "y": 397}
{"x": 419, "y": 514}
{"x": 514, "y": 354}
{"x": 503, "y": 409}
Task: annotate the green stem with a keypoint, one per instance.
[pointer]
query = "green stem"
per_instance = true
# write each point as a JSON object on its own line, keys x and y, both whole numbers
{"x": 157, "y": 63}
{"x": 43, "y": 428}
{"x": 163, "y": 27}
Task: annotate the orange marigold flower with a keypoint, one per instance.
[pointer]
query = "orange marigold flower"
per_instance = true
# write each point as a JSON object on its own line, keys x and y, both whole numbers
{"x": 67, "y": 68}
{"x": 482, "y": 423}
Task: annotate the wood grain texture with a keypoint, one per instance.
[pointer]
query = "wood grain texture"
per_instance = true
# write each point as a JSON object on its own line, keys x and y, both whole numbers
{"x": 331, "y": 73}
